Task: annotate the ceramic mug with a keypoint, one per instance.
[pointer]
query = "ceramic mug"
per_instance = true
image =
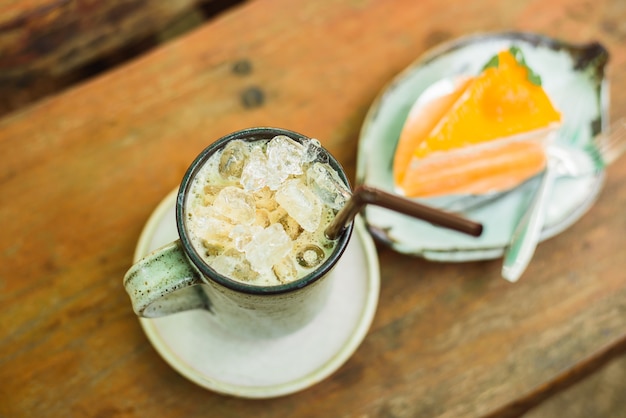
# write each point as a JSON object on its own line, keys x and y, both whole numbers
{"x": 175, "y": 278}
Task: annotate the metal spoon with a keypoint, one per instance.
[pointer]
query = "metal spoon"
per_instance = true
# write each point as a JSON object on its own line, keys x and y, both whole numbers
{"x": 562, "y": 161}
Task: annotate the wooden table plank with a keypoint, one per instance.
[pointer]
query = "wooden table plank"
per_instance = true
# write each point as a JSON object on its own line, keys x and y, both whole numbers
{"x": 81, "y": 173}
{"x": 47, "y": 45}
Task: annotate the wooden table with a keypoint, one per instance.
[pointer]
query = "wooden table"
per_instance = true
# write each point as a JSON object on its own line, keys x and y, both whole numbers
{"x": 81, "y": 172}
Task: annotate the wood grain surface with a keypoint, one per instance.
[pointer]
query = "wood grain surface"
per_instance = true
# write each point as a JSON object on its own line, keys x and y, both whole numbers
{"x": 81, "y": 172}
{"x": 47, "y": 45}
{"x": 53, "y": 36}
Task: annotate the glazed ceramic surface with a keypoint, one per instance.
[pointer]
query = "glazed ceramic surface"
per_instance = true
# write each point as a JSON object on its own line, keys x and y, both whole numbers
{"x": 175, "y": 277}
{"x": 225, "y": 361}
{"x": 573, "y": 76}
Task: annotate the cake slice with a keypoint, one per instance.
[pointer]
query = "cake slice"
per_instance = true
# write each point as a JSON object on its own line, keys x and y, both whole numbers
{"x": 486, "y": 135}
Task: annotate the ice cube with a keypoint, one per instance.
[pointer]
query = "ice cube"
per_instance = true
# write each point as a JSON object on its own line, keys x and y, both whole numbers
{"x": 214, "y": 228}
{"x": 327, "y": 185}
{"x": 207, "y": 223}
{"x": 236, "y": 205}
{"x": 210, "y": 192}
{"x": 267, "y": 248}
{"x": 233, "y": 159}
{"x": 233, "y": 264}
{"x": 300, "y": 203}
{"x": 285, "y": 270}
{"x": 312, "y": 150}
{"x": 264, "y": 199}
{"x": 277, "y": 214}
{"x": 262, "y": 218}
{"x": 256, "y": 170}
{"x": 241, "y": 235}
{"x": 285, "y": 155}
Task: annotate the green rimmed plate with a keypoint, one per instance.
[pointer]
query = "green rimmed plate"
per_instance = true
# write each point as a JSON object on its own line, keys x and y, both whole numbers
{"x": 573, "y": 76}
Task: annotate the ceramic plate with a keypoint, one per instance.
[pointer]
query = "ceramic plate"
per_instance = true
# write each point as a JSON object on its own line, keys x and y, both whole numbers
{"x": 573, "y": 76}
{"x": 224, "y": 362}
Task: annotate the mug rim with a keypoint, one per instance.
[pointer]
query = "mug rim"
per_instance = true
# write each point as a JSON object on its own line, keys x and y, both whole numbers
{"x": 207, "y": 272}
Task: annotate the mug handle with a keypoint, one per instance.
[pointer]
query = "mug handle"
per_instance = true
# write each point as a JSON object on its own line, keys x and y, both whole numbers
{"x": 165, "y": 282}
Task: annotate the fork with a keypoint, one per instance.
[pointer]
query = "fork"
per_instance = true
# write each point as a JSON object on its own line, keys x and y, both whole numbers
{"x": 603, "y": 150}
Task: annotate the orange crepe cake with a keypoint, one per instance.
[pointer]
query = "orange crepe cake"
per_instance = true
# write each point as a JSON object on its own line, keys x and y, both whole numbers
{"x": 486, "y": 135}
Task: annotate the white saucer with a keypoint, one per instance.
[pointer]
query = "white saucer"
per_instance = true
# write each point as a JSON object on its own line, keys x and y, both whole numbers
{"x": 229, "y": 364}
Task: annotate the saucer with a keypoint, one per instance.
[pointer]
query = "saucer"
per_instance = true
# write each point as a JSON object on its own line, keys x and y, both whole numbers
{"x": 573, "y": 76}
{"x": 212, "y": 357}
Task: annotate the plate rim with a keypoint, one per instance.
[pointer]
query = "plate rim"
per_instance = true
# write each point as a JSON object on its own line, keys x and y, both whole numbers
{"x": 427, "y": 56}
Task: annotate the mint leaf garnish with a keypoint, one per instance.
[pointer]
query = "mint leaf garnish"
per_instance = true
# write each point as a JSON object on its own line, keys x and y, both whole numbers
{"x": 532, "y": 76}
{"x": 493, "y": 62}
{"x": 518, "y": 55}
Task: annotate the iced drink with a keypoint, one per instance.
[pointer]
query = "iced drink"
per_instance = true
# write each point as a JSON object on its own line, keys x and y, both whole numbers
{"x": 257, "y": 210}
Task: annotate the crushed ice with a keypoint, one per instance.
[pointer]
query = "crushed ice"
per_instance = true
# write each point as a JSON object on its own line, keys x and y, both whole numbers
{"x": 252, "y": 202}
